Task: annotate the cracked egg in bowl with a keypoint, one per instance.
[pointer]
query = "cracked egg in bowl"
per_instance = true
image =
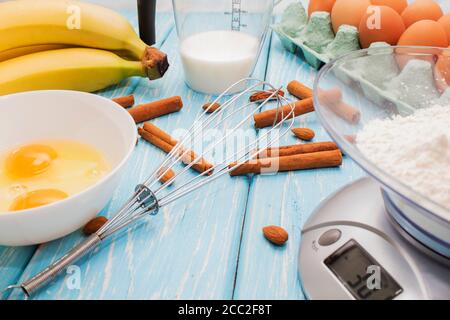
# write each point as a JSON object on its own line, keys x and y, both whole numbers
{"x": 61, "y": 157}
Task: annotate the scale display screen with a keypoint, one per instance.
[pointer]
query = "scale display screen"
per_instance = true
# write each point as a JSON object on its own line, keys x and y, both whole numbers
{"x": 363, "y": 277}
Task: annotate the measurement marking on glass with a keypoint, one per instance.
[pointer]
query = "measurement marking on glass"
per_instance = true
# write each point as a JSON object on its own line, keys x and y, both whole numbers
{"x": 236, "y": 13}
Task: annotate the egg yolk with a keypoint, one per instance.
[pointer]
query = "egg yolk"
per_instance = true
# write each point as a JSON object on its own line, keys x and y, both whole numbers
{"x": 29, "y": 160}
{"x": 37, "y": 198}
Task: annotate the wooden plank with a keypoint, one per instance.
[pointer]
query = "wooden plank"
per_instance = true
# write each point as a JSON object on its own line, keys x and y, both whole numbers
{"x": 13, "y": 260}
{"x": 286, "y": 199}
{"x": 187, "y": 251}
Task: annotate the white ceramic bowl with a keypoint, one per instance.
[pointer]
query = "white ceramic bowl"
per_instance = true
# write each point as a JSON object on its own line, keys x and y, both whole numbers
{"x": 71, "y": 115}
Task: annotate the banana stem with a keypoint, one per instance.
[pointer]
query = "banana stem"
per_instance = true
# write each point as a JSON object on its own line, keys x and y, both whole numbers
{"x": 154, "y": 63}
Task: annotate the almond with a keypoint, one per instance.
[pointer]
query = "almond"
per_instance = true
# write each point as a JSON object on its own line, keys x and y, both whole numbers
{"x": 94, "y": 225}
{"x": 276, "y": 235}
{"x": 304, "y": 133}
{"x": 211, "y": 107}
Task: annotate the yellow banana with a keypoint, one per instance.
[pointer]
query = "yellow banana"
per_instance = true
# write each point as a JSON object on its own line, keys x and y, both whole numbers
{"x": 82, "y": 69}
{"x": 21, "y": 51}
{"x": 26, "y": 23}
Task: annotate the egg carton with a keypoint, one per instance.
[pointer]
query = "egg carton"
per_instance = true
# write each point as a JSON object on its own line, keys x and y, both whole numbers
{"x": 378, "y": 75}
{"x": 371, "y": 91}
{"x": 381, "y": 80}
{"x": 313, "y": 38}
{"x": 314, "y": 59}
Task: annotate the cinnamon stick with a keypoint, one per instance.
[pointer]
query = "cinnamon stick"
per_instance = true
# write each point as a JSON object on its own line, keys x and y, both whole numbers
{"x": 267, "y": 118}
{"x": 165, "y": 175}
{"x": 299, "y": 90}
{"x": 332, "y": 98}
{"x": 166, "y": 143}
{"x": 151, "y": 110}
{"x": 263, "y": 95}
{"x": 154, "y": 140}
{"x": 161, "y": 134}
{"x": 167, "y": 138}
{"x": 297, "y": 149}
{"x": 313, "y": 160}
{"x": 125, "y": 101}
{"x": 346, "y": 111}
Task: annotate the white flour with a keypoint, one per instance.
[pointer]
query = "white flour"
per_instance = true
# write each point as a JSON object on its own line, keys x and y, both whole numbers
{"x": 414, "y": 149}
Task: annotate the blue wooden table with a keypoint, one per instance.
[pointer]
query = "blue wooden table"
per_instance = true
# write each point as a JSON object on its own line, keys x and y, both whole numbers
{"x": 210, "y": 244}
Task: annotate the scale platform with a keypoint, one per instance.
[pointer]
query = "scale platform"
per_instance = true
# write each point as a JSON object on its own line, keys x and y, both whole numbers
{"x": 352, "y": 249}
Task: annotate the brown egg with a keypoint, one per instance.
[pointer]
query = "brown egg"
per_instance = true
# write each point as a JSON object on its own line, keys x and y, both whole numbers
{"x": 442, "y": 70}
{"x": 421, "y": 10}
{"x": 320, "y": 5}
{"x": 424, "y": 33}
{"x": 439, "y": 80}
{"x": 348, "y": 12}
{"x": 445, "y": 22}
{"x": 397, "y": 5}
{"x": 403, "y": 57}
{"x": 380, "y": 24}
{"x": 427, "y": 33}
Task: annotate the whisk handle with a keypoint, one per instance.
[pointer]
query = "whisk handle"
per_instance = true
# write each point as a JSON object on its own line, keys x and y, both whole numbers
{"x": 49, "y": 273}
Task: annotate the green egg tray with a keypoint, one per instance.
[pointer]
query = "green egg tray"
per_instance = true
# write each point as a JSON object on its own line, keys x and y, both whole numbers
{"x": 314, "y": 59}
{"x": 317, "y": 60}
{"x": 372, "y": 92}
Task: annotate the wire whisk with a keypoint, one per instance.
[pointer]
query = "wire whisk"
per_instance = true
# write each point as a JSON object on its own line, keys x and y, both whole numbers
{"x": 227, "y": 122}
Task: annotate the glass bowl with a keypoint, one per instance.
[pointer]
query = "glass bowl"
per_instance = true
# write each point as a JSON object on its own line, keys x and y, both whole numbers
{"x": 362, "y": 80}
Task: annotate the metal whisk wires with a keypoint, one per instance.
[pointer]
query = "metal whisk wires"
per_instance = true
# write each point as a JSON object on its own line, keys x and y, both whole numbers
{"x": 150, "y": 195}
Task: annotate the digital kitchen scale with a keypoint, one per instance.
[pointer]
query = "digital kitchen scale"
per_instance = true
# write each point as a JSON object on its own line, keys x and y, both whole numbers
{"x": 350, "y": 242}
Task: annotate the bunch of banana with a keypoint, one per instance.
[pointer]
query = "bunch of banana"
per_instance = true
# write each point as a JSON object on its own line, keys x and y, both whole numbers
{"x": 66, "y": 44}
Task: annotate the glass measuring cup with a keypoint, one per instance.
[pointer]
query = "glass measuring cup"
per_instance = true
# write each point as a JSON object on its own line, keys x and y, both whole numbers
{"x": 220, "y": 40}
